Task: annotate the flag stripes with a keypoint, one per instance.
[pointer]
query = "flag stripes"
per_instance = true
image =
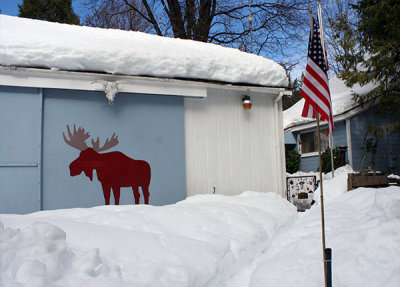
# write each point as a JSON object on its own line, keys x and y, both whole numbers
{"x": 308, "y": 111}
{"x": 315, "y": 88}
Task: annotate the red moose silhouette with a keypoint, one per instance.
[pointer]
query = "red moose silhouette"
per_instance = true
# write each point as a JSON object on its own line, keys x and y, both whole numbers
{"x": 114, "y": 169}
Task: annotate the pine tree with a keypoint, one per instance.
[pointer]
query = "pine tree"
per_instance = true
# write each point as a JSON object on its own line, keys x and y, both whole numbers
{"x": 49, "y": 10}
{"x": 295, "y": 86}
{"x": 375, "y": 57}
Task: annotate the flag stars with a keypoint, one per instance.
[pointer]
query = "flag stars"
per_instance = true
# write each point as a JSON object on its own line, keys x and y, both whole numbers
{"x": 315, "y": 51}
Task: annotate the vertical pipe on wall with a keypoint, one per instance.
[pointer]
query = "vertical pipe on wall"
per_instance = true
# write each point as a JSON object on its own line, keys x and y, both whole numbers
{"x": 40, "y": 151}
{"x": 349, "y": 146}
{"x": 282, "y": 144}
{"x": 279, "y": 142}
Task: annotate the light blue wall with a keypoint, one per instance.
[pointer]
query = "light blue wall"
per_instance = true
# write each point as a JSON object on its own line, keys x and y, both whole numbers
{"x": 149, "y": 128}
{"x": 19, "y": 150}
{"x": 388, "y": 154}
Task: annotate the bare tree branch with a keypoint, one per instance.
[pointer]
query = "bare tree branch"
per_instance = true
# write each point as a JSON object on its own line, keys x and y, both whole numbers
{"x": 276, "y": 24}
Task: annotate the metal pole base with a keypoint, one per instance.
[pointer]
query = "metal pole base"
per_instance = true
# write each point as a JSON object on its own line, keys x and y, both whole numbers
{"x": 328, "y": 262}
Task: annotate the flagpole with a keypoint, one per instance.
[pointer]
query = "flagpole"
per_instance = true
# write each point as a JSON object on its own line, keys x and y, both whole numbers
{"x": 311, "y": 21}
{"x": 322, "y": 201}
{"x": 319, "y": 11}
{"x": 315, "y": 66}
{"x": 324, "y": 251}
{"x": 332, "y": 158}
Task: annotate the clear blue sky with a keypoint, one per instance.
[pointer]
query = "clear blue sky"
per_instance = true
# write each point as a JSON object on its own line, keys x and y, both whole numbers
{"x": 10, "y": 7}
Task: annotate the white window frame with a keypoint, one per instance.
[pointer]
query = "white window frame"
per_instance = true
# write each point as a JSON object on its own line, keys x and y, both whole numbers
{"x": 299, "y": 143}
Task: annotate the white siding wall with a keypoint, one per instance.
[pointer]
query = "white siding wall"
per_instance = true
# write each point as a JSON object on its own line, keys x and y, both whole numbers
{"x": 231, "y": 149}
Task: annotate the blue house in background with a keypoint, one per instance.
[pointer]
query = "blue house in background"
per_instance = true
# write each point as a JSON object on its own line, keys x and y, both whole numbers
{"x": 350, "y": 131}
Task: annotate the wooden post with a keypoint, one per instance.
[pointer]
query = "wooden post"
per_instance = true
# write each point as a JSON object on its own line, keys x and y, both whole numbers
{"x": 328, "y": 279}
{"x": 322, "y": 203}
{"x": 331, "y": 148}
{"x": 319, "y": 10}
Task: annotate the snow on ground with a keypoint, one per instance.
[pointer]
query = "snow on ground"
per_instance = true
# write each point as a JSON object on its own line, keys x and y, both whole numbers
{"x": 362, "y": 228}
{"x": 201, "y": 241}
{"x": 41, "y": 44}
{"x": 254, "y": 239}
{"x": 336, "y": 185}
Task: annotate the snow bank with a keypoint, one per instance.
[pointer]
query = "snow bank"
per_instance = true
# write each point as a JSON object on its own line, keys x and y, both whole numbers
{"x": 361, "y": 228}
{"x": 33, "y": 43}
{"x": 253, "y": 239}
{"x": 37, "y": 255}
{"x": 333, "y": 187}
{"x": 201, "y": 241}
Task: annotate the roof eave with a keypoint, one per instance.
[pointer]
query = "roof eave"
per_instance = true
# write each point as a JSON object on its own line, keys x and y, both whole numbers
{"x": 94, "y": 81}
{"x": 336, "y": 118}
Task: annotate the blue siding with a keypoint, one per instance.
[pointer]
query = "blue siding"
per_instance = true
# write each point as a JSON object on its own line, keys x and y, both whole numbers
{"x": 19, "y": 150}
{"x": 388, "y": 154}
{"x": 289, "y": 138}
{"x": 149, "y": 128}
{"x": 339, "y": 134}
{"x": 309, "y": 163}
{"x": 340, "y": 137}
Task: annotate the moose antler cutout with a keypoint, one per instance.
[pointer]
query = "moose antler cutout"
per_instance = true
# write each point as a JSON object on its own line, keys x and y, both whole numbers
{"x": 114, "y": 169}
{"x": 107, "y": 145}
{"x": 77, "y": 139}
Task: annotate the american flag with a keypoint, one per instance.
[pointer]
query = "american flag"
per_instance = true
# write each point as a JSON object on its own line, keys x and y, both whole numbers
{"x": 315, "y": 89}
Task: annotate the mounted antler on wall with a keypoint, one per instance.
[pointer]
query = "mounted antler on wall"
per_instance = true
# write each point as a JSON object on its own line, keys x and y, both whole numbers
{"x": 114, "y": 169}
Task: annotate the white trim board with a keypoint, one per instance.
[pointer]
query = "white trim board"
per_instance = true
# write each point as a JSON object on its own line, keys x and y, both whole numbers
{"x": 57, "y": 79}
{"x": 309, "y": 154}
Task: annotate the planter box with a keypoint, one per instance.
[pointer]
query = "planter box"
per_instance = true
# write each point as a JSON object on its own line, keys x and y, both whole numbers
{"x": 355, "y": 180}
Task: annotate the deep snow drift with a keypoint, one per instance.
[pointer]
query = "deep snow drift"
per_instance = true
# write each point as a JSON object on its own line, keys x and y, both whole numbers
{"x": 201, "y": 241}
{"x": 254, "y": 239}
{"x": 41, "y": 44}
{"x": 362, "y": 228}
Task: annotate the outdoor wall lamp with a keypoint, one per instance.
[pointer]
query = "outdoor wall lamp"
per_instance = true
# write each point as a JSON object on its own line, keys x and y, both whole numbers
{"x": 246, "y": 102}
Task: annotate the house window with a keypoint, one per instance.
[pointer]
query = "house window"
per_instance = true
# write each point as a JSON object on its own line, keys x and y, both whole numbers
{"x": 309, "y": 141}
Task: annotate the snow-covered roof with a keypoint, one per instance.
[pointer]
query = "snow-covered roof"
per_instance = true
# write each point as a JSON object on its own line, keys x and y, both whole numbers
{"x": 342, "y": 101}
{"x": 34, "y": 43}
